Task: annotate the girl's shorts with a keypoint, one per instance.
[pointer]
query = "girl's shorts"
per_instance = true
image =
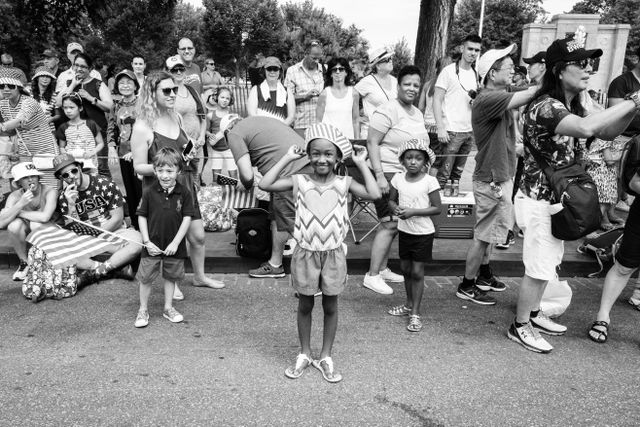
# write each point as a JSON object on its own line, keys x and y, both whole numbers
{"x": 222, "y": 160}
{"x": 318, "y": 271}
{"x": 415, "y": 247}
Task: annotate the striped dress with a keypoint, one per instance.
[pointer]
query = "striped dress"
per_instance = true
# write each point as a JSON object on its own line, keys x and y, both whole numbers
{"x": 35, "y": 137}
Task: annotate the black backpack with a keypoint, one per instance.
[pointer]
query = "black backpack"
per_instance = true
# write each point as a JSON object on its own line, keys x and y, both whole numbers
{"x": 629, "y": 164}
{"x": 603, "y": 247}
{"x": 253, "y": 234}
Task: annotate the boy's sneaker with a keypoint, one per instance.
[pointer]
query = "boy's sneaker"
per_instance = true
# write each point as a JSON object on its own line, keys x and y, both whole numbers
{"x": 267, "y": 270}
{"x": 377, "y": 284}
{"x": 142, "y": 319}
{"x": 389, "y": 276}
{"x": 21, "y": 272}
{"x": 508, "y": 242}
{"x": 547, "y": 326}
{"x": 490, "y": 284}
{"x": 635, "y": 301}
{"x": 528, "y": 337}
{"x": 475, "y": 294}
{"x": 173, "y": 315}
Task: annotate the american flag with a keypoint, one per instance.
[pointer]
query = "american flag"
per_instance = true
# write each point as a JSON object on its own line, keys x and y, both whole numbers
{"x": 63, "y": 247}
{"x": 232, "y": 198}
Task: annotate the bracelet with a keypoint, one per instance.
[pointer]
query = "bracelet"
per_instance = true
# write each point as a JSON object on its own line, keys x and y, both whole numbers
{"x": 635, "y": 97}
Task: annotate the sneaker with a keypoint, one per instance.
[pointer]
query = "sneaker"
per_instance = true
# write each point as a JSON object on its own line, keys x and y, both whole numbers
{"x": 267, "y": 270}
{"x": 490, "y": 284}
{"x": 475, "y": 295}
{"x": 529, "y": 338}
{"x": 508, "y": 242}
{"x": 634, "y": 300}
{"x": 21, "y": 272}
{"x": 173, "y": 315}
{"x": 547, "y": 326}
{"x": 377, "y": 284}
{"x": 142, "y": 319}
{"x": 389, "y": 276}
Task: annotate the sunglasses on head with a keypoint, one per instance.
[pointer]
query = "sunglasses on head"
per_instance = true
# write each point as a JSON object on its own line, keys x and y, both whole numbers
{"x": 582, "y": 63}
{"x": 166, "y": 91}
{"x": 338, "y": 70}
{"x": 273, "y": 69}
{"x": 175, "y": 70}
{"x": 7, "y": 86}
{"x": 73, "y": 95}
{"x": 70, "y": 172}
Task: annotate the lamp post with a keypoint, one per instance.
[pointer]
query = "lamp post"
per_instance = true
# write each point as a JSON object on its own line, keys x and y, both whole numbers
{"x": 481, "y": 18}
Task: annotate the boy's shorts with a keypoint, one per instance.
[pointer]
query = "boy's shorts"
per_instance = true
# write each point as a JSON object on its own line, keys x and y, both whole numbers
{"x": 313, "y": 271}
{"x": 282, "y": 209}
{"x": 415, "y": 247}
{"x": 494, "y": 216}
{"x": 149, "y": 269}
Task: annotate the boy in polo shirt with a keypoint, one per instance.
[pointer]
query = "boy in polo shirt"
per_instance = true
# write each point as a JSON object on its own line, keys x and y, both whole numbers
{"x": 164, "y": 215}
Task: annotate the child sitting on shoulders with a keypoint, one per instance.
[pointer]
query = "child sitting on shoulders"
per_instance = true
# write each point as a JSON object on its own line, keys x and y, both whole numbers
{"x": 164, "y": 216}
{"x": 414, "y": 197}
{"x": 319, "y": 262}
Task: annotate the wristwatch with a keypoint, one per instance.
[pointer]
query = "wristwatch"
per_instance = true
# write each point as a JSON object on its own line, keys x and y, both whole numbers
{"x": 95, "y": 101}
{"x": 635, "y": 97}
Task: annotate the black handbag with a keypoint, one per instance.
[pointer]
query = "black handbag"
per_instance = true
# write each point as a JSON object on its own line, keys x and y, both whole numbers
{"x": 574, "y": 188}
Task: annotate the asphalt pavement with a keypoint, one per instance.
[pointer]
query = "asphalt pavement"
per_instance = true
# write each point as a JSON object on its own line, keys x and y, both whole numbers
{"x": 81, "y": 362}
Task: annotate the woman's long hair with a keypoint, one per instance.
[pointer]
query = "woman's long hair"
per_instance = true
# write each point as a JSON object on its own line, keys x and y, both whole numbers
{"x": 48, "y": 92}
{"x": 328, "y": 77}
{"x": 147, "y": 106}
{"x": 552, "y": 86}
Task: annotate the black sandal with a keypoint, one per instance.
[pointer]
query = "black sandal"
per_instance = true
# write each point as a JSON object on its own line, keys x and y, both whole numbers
{"x": 602, "y": 334}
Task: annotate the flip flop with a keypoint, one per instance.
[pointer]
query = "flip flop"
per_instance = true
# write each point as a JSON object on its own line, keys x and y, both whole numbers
{"x": 302, "y": 362}
{"x": 327, "y": 370}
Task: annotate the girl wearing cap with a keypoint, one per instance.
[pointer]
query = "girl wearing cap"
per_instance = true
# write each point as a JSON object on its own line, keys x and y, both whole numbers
{"x": 23, "y": 114}
{"x": 414, "y": 197}
{"x": 43, "y": 90}
{"x": 119, "y": 127}
{"x": 158, "y": 125}
{"x": 221, "y": 158}
{"x": 319, "y": 261}
{"x": 338, "y": 102}
{"x": 270, "y": 98}
{"x": 378, "y": 87}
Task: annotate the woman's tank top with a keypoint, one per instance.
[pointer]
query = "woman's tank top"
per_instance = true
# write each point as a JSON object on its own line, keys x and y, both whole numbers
{"x": 269, "y": 108}
{"x": 338, "y": 112}
{"x": 160, "y": 141}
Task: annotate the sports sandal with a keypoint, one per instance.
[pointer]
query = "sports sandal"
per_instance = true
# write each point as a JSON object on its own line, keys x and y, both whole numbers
{"x": 325, "y": 366}
{"x": 599, "y": 331}
{"x": 415, "y": 324}
{"x": 302, "y": 362}
{"x": 399, "y": 310}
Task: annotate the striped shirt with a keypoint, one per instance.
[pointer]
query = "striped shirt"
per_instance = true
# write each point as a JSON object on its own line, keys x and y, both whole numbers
{"x": 79, "y": 138}
{"x": 300, "y": 81}
{"x": 36, "y": 134}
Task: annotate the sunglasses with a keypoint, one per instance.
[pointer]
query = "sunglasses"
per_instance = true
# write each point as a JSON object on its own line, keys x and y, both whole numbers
{"x": 176, "y": 70}
{"x": 186, "y": 48}
{"x": 384, "y": 61}
{"x": 273, "y": 69}
{"x": 338, "y": 70}
{"x": 582, "y": 63}
{"x": 70, "y": 172}
{"x": 73, "y": 95}
{"x": 211, "y": 63}
{"x": 8, "y": 86}
{"x": 166, "y": 91}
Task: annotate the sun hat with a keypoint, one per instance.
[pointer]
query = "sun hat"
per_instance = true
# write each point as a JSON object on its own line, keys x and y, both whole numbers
{"x": 227, "y": 120}
{"x": 420, "y": 144}
{"x": 11, "y": 81}
{"x": 272, "y": 61}
{"x": 74, "y": 46}
{"x": 330, "y": 133}
{"x": 538, "y": 58}
{"x": 378, "y": 55}
{"x": 571, "y": 49}
{"x": 24, "y": 169}
{"x": 174, "y": 60}
{"x": 61, "y": 161}
{"x": 43, "y": 71}
{"x": 487, "y": 60}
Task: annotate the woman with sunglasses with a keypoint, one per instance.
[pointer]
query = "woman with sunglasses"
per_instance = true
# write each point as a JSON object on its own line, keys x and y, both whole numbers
{"x": 270, "y": 98}
{"x": 554, "y": 121}
{"x": 158, "y": 125}
{"x": 22, "y": 113}
{"x": 338, "y": 104}
{"x": 97, "y": 101}
{"x": 211, "y": 79}
{"x": 43, "y": 85}
{"x": 378, "y": 87}
{"x": 190, "y": 107}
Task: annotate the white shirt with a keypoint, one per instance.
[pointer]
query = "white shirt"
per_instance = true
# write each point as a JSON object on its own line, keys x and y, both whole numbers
{"x": 68, "y": 74}
{"x": 456, "y": 108}
{"x": 415, "y": 195}
{"x": 373, "y": 95}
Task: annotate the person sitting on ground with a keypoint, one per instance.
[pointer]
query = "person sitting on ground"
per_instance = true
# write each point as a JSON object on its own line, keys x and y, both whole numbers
{"x": 97, "y": 201}
{"x": 414, "y": 197}
{"x": 163, "y": 230}
{"x": 31, "y": 205}
{"x": 319, "y": 262}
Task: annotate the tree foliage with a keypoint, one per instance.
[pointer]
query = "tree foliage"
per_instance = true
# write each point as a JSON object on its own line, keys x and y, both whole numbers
{"x": 402, "y": 54}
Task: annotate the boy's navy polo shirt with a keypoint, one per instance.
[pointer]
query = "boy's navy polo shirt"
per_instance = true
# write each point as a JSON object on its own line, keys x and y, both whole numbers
{"x": 165, "y": 212}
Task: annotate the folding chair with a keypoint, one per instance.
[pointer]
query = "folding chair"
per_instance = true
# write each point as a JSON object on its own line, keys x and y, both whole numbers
{"x": 360, "y": 205}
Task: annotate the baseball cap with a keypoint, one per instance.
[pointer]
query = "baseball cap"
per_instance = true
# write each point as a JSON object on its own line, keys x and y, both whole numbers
{"x": 378, "y": 55}
{"x": 538, "y": 58}
{"x": 227, "y": 120}
{"x": 330, "y": 133}
{"x": 272, "y": 61}
{"x": 174, "y": 60}
{"x": 520, "y": 69}
{"x": 125, "y": 73}
{"x": 420, "y": 144}
{"x": 61, "y": 161}
{"x": 24, "y": 169}
{"x": 570, "y": 49}
{"x": 74, "y": 46}
{"x": 50, "y": 53}
{"x": 487, "y": 60}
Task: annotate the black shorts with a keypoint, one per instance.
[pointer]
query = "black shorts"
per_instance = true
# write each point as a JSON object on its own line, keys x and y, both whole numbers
{"x": 415, "y": 247}
{"x": 628, "y": 254}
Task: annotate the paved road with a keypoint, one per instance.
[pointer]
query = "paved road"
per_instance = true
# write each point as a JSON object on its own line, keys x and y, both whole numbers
{"x": 81, "y": 362}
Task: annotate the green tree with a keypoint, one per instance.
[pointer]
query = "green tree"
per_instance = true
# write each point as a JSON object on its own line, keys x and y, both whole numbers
{"x": 599, "y": 7}
{"x": 402, "y": 54}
